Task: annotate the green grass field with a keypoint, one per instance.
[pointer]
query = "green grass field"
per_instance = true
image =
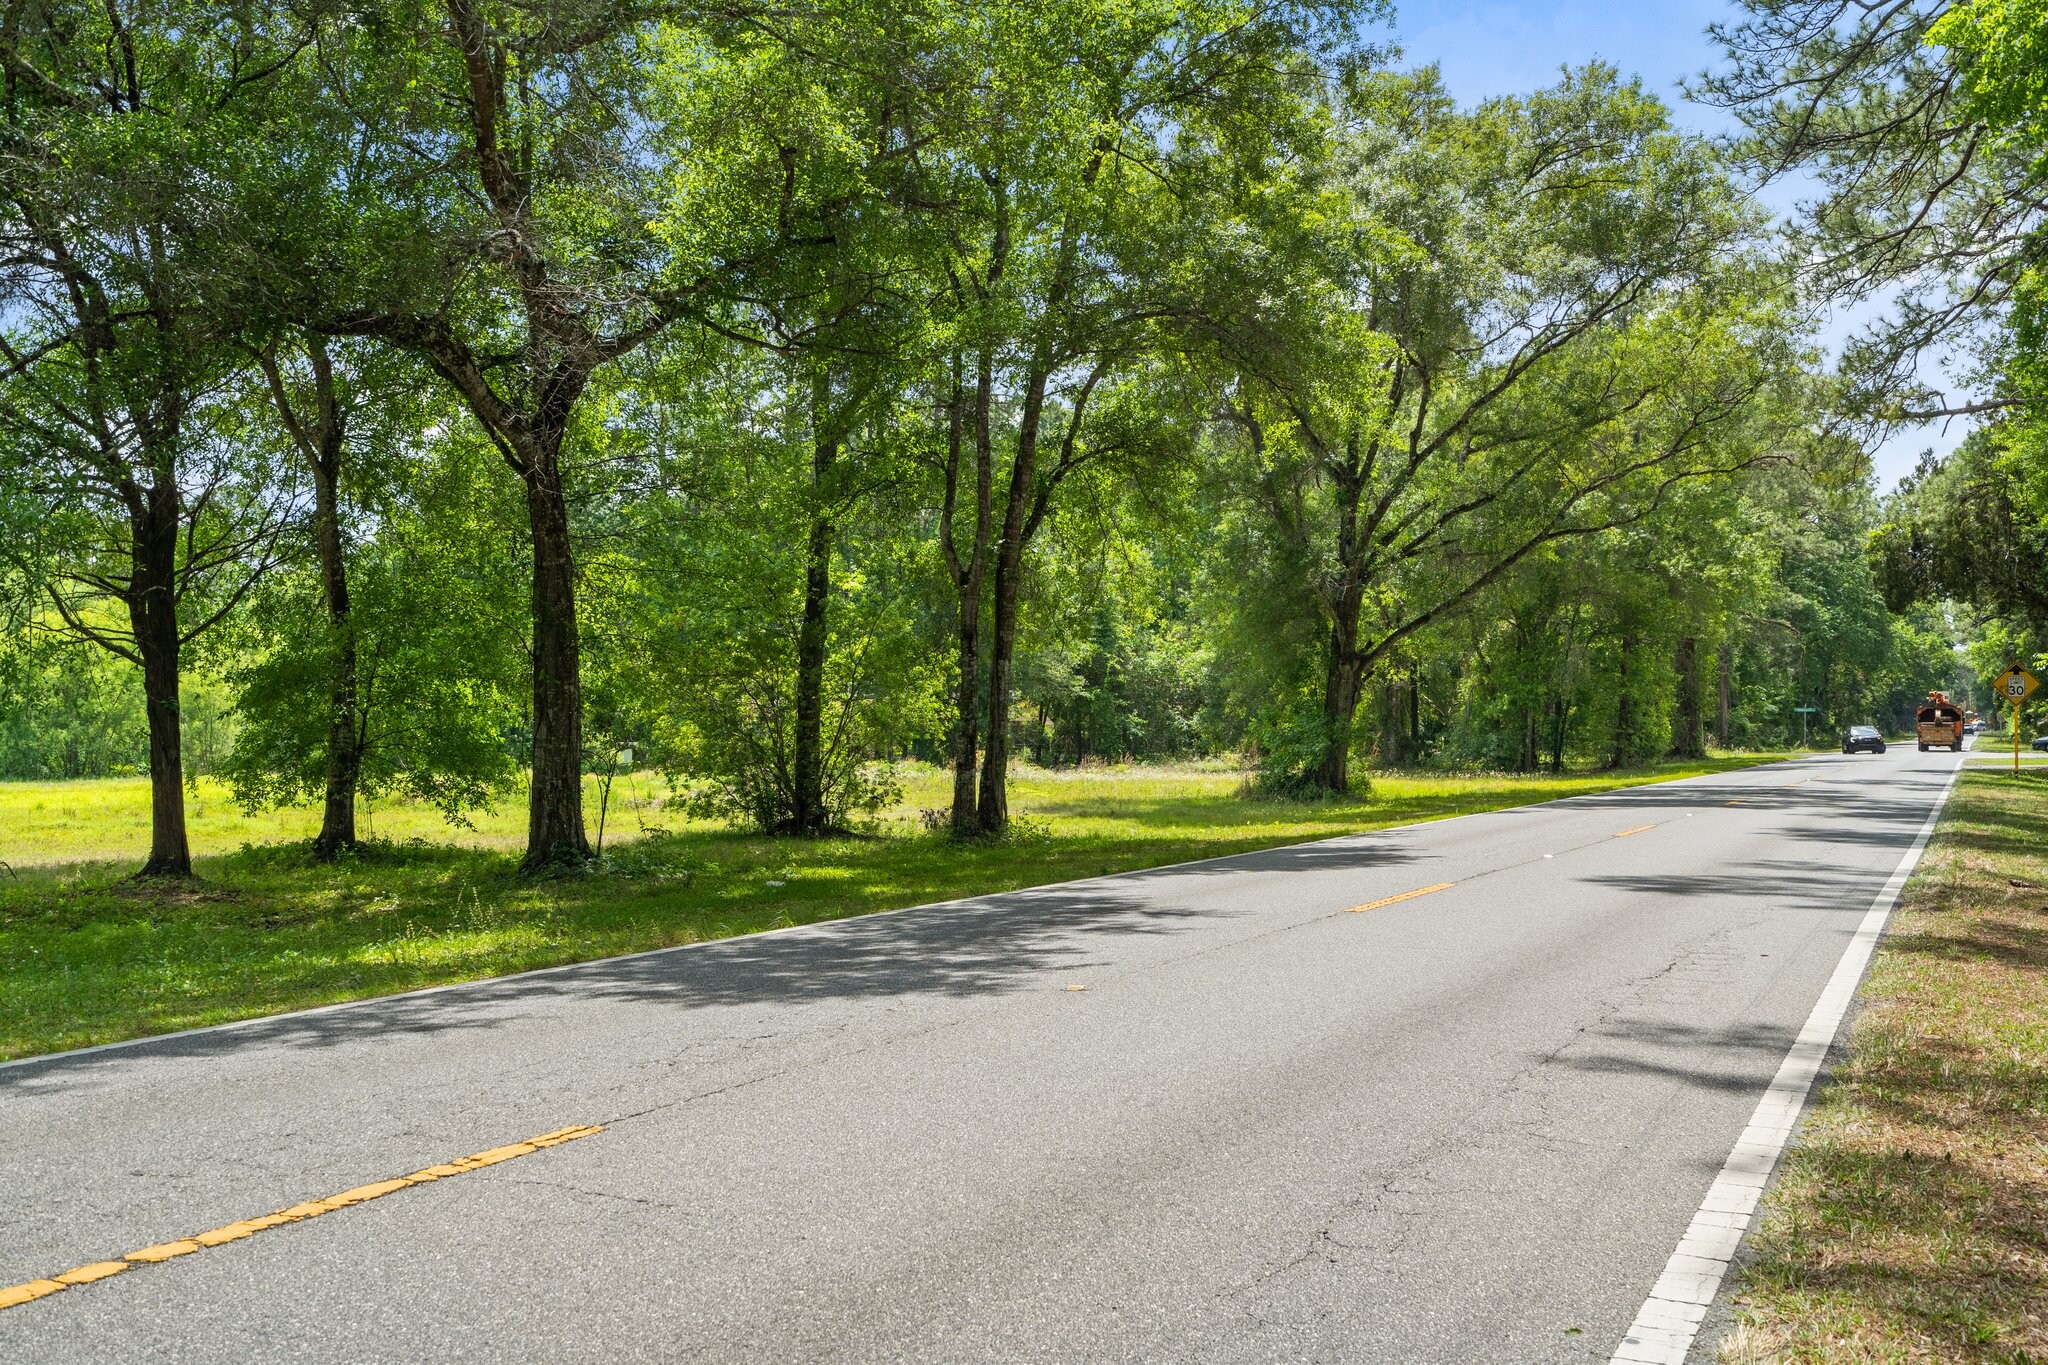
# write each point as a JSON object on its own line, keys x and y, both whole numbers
{"x": 87, "y": 956}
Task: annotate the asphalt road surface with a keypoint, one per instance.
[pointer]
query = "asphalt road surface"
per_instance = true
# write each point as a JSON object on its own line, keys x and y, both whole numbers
{"x": 1198, "y": 1113}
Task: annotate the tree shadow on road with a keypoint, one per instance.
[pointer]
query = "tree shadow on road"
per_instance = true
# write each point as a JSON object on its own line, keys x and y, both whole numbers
{"x": 1782, "y": 883}
{"x": 983, "y": 947}
{"x": 1736, "y": 1060}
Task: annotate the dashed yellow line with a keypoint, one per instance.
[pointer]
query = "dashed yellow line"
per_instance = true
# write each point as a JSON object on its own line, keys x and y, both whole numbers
{"x": 1404, "y": 896}
{"x": 1637, "y": 830}
{"x": 15, "y": 1295}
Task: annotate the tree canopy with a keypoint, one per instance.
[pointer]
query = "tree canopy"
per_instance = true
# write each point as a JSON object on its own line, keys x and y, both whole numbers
{"x": 462, "y": 395}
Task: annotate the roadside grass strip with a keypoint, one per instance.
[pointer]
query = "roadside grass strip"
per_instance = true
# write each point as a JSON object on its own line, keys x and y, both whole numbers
{"x": 89, "y": 956}
{"x": 1911, "y": 1222}
{"x": 1404, "y": 896}
{"x": 1669, "y": 1320}
{"x": 14, "y": 1296}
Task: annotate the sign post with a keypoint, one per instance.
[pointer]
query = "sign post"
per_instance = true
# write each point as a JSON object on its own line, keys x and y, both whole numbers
{"x": 1804, "y": 712}
{"x": 2015, "y": 685}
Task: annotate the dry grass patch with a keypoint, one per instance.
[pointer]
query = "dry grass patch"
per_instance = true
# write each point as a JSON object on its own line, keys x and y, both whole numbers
{"x": 1911, "y": 1223}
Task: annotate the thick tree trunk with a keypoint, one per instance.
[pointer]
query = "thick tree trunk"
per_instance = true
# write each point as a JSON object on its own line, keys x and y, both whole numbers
{"x": 153, "y": 617}
{"x": 1688, "y": 721}
{"x": 808, "y": 762}
{"x": 1344, "y": 670}
{"x": 344, "y": 733}
{"x": 1343, "y": 675}
{"x": 554, "y": 829}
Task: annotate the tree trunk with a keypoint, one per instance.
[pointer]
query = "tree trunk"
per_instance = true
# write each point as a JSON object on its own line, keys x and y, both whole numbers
{"x": 344, "y": 734}
{"x": 968, "y": 582}
{"x": 1557, "y": 735}
{"x": 1625, "y": 707}
{"x": 967, "y": 713}
{"x": 1721, "y": 730}
{"x": 1344, "y": 671}
{"x": 994, "y": 804}
{"x": 1688, "y": 721}
{"x": 321, "y": 437}
{"x": 1393, "y": 724}
{"x": 808, "y": 764}
{"x": 1342, "y": 676}
{"x": 153, "y": 617}
{"x": 554, "y": 829}
{"x": 993, "y": 810}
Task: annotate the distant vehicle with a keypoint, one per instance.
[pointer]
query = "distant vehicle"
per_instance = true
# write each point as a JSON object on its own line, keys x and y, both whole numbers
{"x": 2041, "y": 741}
{"x": 1973, "y": 727}
{"x": 1861, "y": 739}
{"x": 1938, "y": 724}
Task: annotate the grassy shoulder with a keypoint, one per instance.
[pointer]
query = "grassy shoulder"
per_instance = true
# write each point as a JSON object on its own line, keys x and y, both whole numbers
{"x": 1911, "y": 1222}
{"x": 88, "y": 957}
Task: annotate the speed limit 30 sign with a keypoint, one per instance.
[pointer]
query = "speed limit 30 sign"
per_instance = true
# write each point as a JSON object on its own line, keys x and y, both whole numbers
{"x": 2015, "y": 684}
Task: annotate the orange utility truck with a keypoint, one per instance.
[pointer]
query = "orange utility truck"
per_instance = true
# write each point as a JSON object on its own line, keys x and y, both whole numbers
{"x": 1940, "y": 723}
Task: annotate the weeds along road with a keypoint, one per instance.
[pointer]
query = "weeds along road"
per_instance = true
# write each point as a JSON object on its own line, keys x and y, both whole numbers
{"x": 1275, "y": 1106}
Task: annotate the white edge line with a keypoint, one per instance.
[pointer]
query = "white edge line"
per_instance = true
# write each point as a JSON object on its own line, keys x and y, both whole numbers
{"x": 825, "y": 925}
{"x": 1670, "y": 1318}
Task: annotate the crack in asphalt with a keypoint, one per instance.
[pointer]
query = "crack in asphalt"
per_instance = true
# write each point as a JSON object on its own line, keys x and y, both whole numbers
{"x": 1416, "y": 1179}
{"x": 568, "y": 1188}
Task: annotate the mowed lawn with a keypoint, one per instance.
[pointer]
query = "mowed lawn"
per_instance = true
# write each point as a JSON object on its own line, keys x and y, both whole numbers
{"x": 88, "y": 956}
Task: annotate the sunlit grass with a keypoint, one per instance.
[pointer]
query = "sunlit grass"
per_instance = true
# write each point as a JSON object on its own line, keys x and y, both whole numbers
{"x": 87, "y": 956}
{"x": 108, "y": 819}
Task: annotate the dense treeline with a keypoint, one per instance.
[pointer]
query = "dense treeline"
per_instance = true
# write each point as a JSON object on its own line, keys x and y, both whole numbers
{"x": 1925, "y": 127}
{"x": 451, "y": 397}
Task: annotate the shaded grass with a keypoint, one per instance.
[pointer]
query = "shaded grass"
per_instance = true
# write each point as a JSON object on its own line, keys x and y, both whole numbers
{"x": 87, "y": 956}
{"x": 1911, "y": 1223}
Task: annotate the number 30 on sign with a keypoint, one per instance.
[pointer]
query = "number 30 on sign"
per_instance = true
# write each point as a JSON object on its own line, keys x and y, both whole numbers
{"x": 2015, "y": 684}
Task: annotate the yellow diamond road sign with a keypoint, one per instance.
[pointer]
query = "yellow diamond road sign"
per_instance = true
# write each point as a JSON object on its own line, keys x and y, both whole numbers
{"x": 2016, "y": 684}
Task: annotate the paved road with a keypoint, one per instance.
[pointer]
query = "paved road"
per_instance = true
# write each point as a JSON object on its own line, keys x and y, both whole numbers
{"x": 1465, "y": 1126}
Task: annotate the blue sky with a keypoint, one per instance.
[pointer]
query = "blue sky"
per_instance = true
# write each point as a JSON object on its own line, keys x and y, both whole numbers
{"x": 1496, "y": 48}
{"x": 1491, "y": 49}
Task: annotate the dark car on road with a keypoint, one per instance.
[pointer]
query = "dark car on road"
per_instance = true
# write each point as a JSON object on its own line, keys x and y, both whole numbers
{"x": 1862, "y": 738}
{"x": 2041, "y": 741}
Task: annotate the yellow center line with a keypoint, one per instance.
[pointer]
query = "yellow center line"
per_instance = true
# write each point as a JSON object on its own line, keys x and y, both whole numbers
{"x": 1637, "y": 830}
{"x": 1736, "y": 802}
{"x": 1404, "y": 896}
{"x": 29, "y": 1292}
